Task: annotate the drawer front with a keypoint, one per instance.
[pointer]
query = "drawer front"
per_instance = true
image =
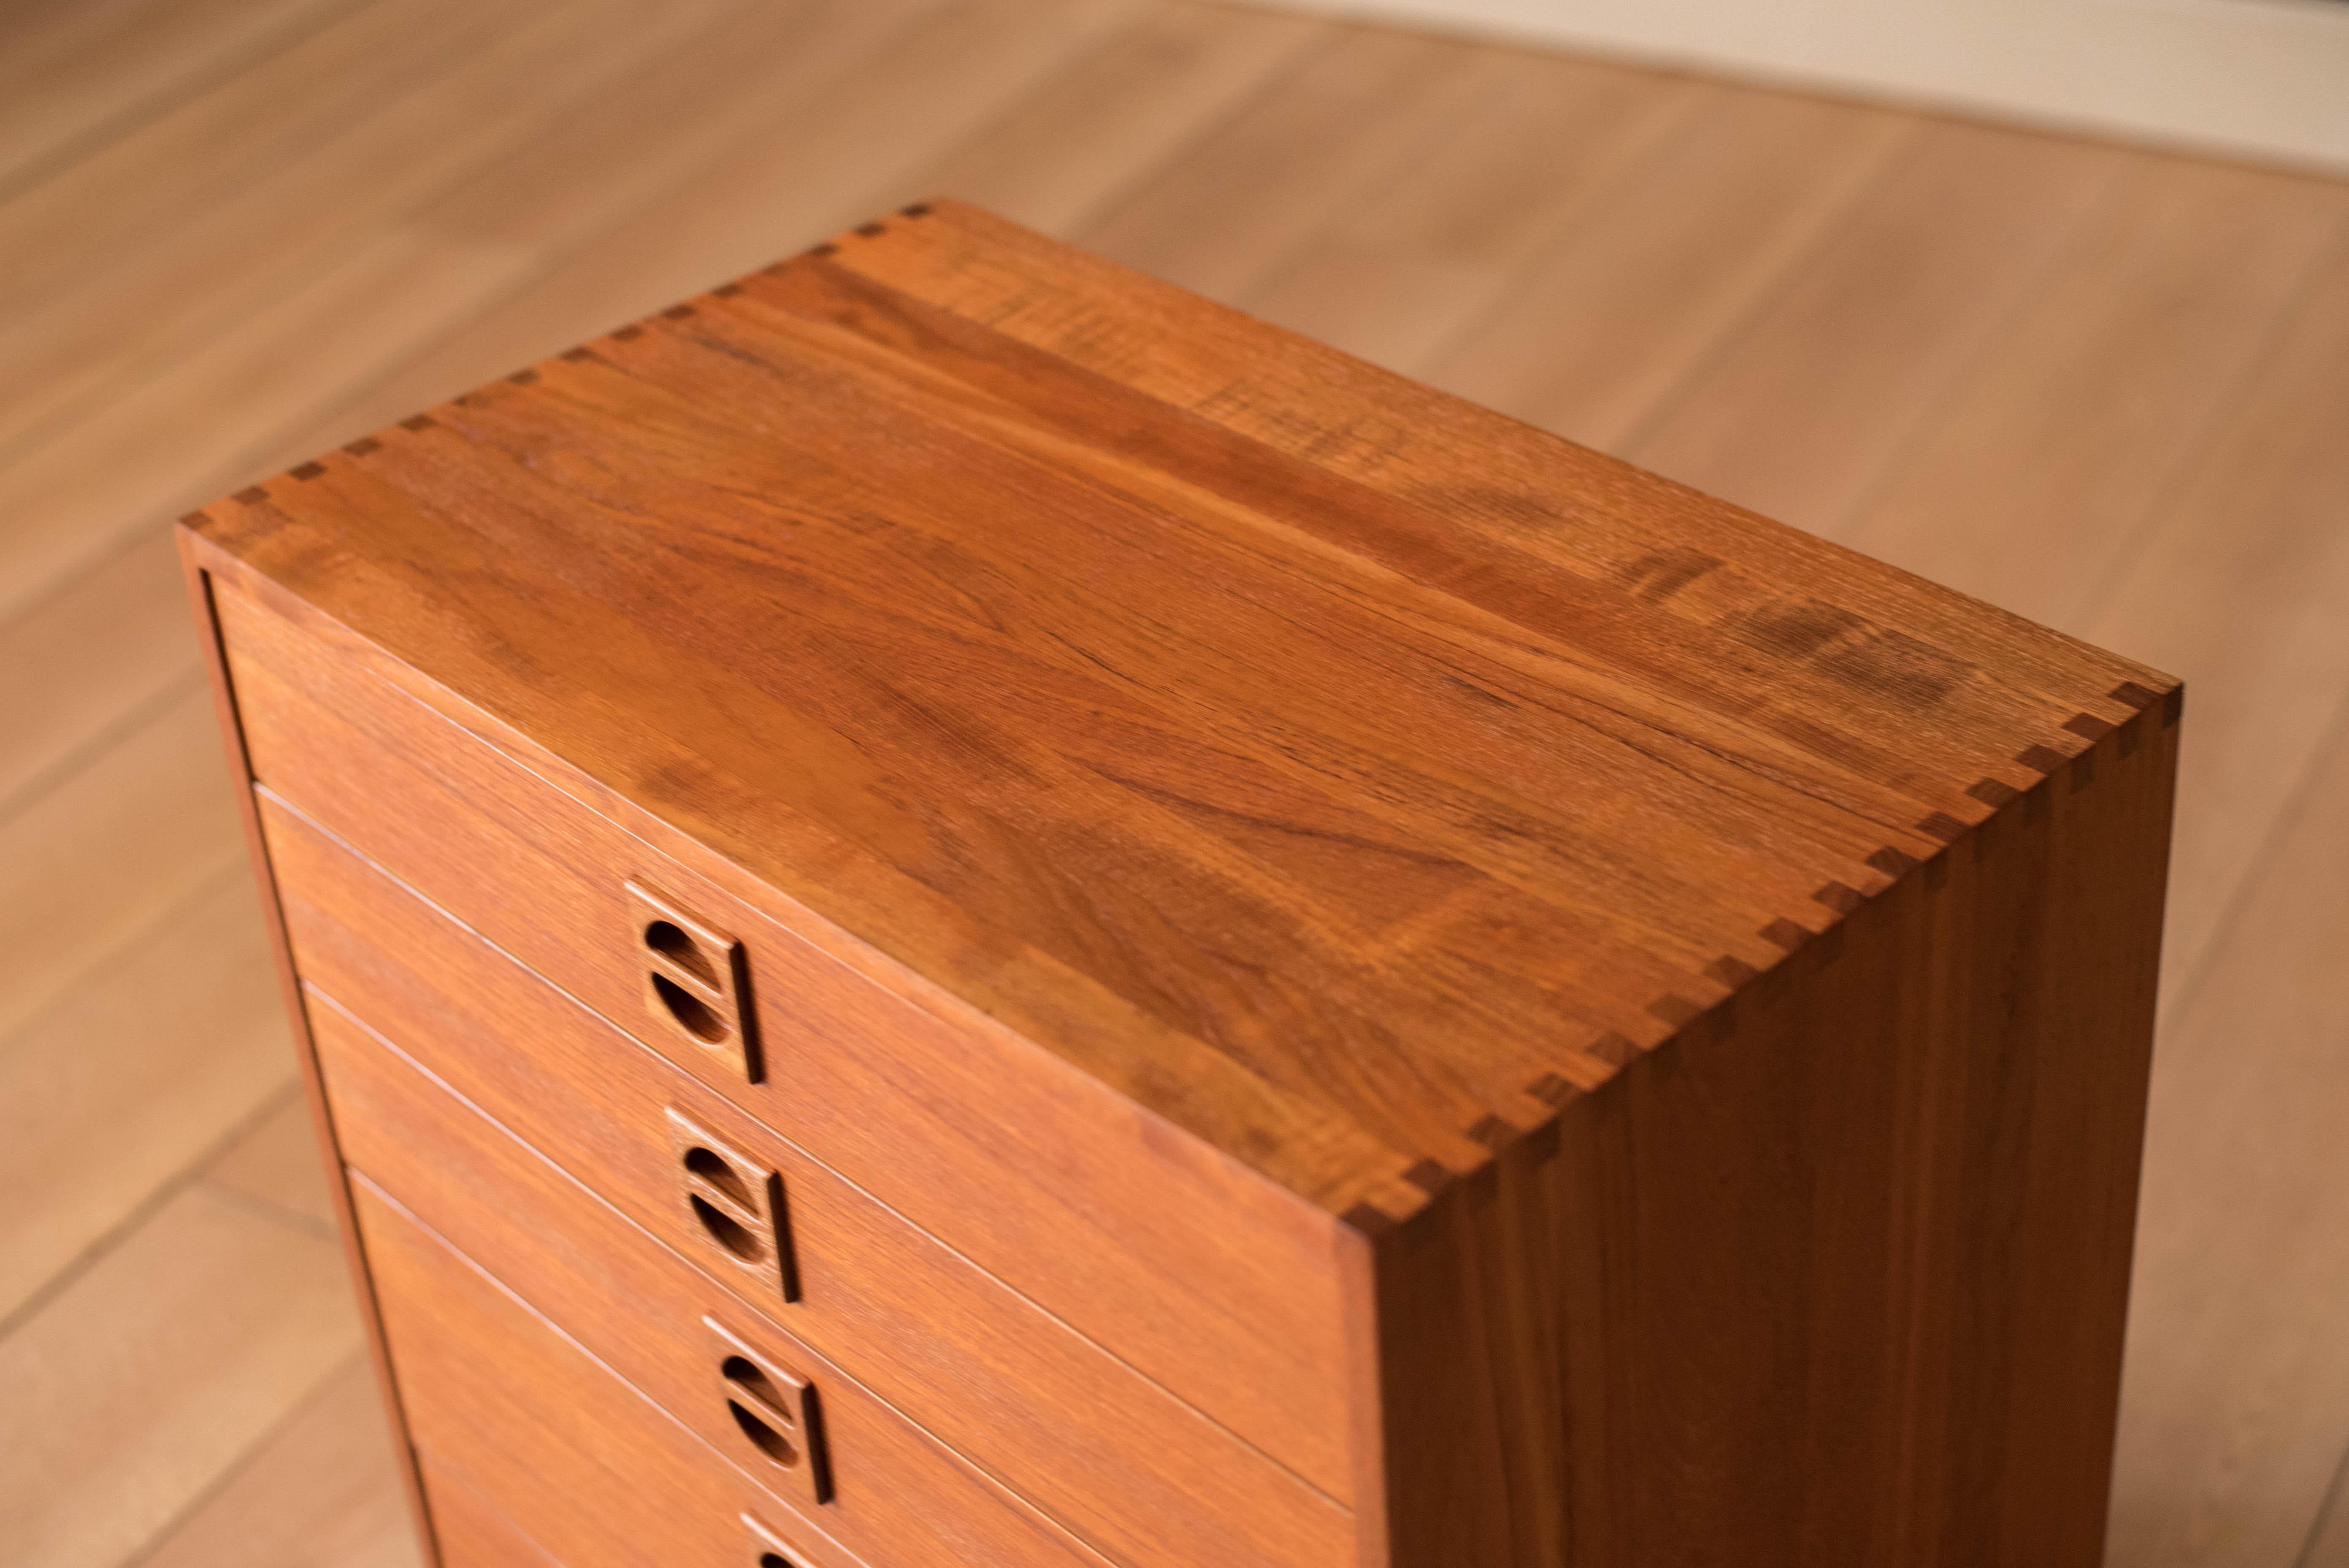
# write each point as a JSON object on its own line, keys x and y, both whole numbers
{"x": 839, "y": 1463}
{"x": 889, "y": 1493}
{"x": 467, "y": 1532}
{"x": 541, "y": 1436}
{"x": 1187, "y": 1266}
{"x": 1116, "y": 1458}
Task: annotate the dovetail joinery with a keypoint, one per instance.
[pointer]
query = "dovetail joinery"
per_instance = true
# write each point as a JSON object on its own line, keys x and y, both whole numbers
{"x": 1590, "y": 1066}
{"x": 367, "y": 445}
{"x": 1371, "y": 996}
{"x": 1615, "y": 1051}
{"x": 1580, "y": 1069}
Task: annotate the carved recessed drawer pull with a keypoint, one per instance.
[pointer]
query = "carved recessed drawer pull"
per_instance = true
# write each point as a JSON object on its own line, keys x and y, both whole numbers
{"x": 775, "y": 1410}
{"x": 695, "y": 978}
{"x": 759, "y": 1402}
{"x": 736, "y": 1204}
{"x": 768, "y": 1549}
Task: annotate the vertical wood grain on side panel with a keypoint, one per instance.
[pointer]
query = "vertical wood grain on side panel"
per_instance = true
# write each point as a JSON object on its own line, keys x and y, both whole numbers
{"x": 204, "y": 603}
{"x": 1838, "y": 1275}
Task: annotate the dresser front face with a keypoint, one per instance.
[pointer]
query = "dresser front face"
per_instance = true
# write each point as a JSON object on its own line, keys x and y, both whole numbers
{"x": 839, "y": 1281}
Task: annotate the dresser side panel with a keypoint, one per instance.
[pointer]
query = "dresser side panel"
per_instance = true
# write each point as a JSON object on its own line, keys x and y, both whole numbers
{"x": 1837, "y": 1275}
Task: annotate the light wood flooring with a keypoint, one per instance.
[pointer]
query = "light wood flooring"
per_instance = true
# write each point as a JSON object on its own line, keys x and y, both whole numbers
{"x": 2105, "y": 388}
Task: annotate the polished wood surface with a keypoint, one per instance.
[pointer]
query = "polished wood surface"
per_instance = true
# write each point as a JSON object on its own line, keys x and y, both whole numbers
{"x": 972, "y": 1363}
{"x": 1206, "y": 144}
{"x": 896, "y": 1494}
{"x": 1320, "y": 763}
{"x": 1010, "y": 627}
{"x": 1780, "y": 1293}
{"x": 470, "y": 1533}
{"x": 1205, "y": 1280}
{"x": 574, "y": 1460}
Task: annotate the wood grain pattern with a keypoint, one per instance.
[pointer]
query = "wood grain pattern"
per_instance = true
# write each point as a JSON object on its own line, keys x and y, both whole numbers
{"x": 1778, "y": 1293}
{"x": 338, "y": 291}
{"x": 958, "y": 1354}
{"x": 897, "y": 1494}
{"x": 1205, "y": 1280}
{"x": 366, "y": 1318}
{"x": 584, "y": 1466}
{"x": 1108, "y": 102}
{"x": 741, "y": 82}
{"x": 1609, "y": 910}
{"x": 366, "y": 103}
{"x": 1154, "y": 798}
{"x": 468, "y": 1532}
{"x": 927, "y": 74}
{"x": 149, "y": 450}
{"x": 2226, "y": 582}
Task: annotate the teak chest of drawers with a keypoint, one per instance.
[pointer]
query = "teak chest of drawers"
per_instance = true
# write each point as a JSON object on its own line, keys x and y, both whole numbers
{"x": 949, "y": 907}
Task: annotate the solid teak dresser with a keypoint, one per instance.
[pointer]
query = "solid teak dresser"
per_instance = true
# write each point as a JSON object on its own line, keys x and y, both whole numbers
{"x": 949, "y": 907}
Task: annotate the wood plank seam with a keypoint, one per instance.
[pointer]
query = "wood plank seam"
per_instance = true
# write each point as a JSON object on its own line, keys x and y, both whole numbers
{"x": 154, "y": 107}
{"x": 122, "y": 1230}
{"x": 2100, "y": 594}
{"x": 203, "y": 1498}
{"x": 1693, "y": 374}
{"x": 75, "y": 763}
{"x": 2277, "y": 831}
{"x": 1889, "y": 462}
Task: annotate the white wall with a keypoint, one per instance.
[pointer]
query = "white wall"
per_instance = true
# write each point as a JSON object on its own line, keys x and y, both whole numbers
{"x": 2265, "y": 77}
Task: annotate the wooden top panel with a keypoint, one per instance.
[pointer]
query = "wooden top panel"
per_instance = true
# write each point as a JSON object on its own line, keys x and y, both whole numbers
{"x": 1174, "y": 689}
